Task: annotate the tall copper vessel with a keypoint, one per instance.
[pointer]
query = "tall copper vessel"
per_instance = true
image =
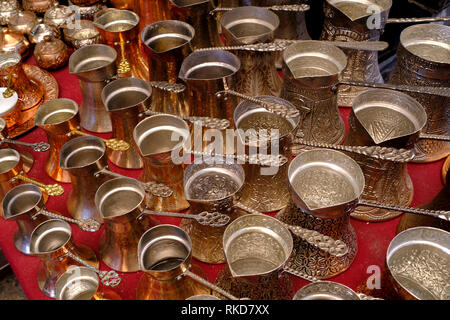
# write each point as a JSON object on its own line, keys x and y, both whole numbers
{"x": 94, "y": 65}
{"x": 251, "y": 25}
{"x": 311, "y": 70}
{"x": 423, "y": 60}
{"x": 159, "y": 138}
{"x": 384, "y": 118}
{"x": 119, "y": 29}
{"x": 164, "y": 254}
{"x": 166, "y": 44}
{"x": 359, "y": 20}
{"x": 325, "y": 186}
{"x": 150, "y": 11}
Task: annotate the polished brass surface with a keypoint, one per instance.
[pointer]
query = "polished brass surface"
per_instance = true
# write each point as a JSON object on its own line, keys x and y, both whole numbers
{"x": 311, "y": 70}
{"x": 158, "y": 138}
{"x": 40, "y": 31}
{"x": 23, "y": 21}
{"x": 166, "y": 44}
{"x": 94, "y": 65}
{"x": 325, "y": 290}
{"x": 384, "y": 118}
{"x": 51, "y": 53}
{"x": 354, "y": 21}
{"x": 14, "y": 41}
{"x": 423, "y": 60}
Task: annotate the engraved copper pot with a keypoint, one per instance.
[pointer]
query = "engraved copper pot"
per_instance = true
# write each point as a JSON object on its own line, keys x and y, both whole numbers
{"x": 58, "y": 16}
{"x": 22, "y": 204}
{"x": 211, "y": 188}
{"x": 325, "y": 186}
{"x": 197, "y": 14}
{"x": 38, "y": 6}
{"x": 51, "y": 241}
{"x": 57, "y": 118}
{"x": 311, "y": 70}
{"x": 86, "y": 34}
{"x": 22, "y": 21}
{"x": 355, "y": 21}
{"x": 249, "y": 117}
{"x": 14, "y": 41}
{"x": 384, "y": 118}
{"x": 166, "y": 44}
{"x": 40, "y": 31}
{"x": 51, "y": 53}
{"x": 251, "y": 25}
{"x": 30, "y": 93}
{"x": 206, "y": 73}
{"x": 119, "y": 29}
{"x": 159, "y": 138}
{"x": 7, "y": 9}
{"x": 83, "y": 157}
{"x": 257, "y": 247}
{"x": 164, "y": 254}
{"x": 94, "y": 65}
{"x": 82, "y": 283}
{"x": 88, "y": 12}
{"x": 423, "y": 60}
{"x": 121, "y": 203}
{"x": 417, "y": 262}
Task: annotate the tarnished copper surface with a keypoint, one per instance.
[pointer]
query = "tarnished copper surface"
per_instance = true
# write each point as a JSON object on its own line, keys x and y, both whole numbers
{"x": 51, "y": 53}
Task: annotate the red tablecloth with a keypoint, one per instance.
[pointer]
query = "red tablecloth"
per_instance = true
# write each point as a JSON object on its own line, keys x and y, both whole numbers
{"x": 373, "y": 238}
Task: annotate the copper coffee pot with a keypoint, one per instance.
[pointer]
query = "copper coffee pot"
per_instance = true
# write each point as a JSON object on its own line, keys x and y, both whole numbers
{"x": 151, "y": 11}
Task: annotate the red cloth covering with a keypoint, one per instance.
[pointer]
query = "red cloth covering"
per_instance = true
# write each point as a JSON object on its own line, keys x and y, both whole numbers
{"x": 373, "y": 238}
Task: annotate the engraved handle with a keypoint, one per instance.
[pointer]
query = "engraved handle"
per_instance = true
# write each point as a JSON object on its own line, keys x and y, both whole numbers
{"x": 156, "y": 189}
{"x": 207, "y": 122}
{"x": 417, "y": 20}
{"x": 50, "y": 189}
{"x": 334, "y": 247}
{"x": 124, "y": 65}
{"x": 442, "y": 137}
{"x": 437, "y": 91}
{"x": 276, "y": 108}
{"x": 86, "y": 225}
{"x": 355, "y": 45}
{"x": 208, "y": 284}
{"x": 212, "y": 219}
{"x": 260, "y": 159}
{"x": 38, "y": 146}
{"x": 168, "y": 86}
{"x": 300, "y": 274}
{"x": 286, "y": 7}
{"x": 108, "y": 278}
{"x": 441, "y": 214}
{"x": 389, "y": 154}
{"x": 9, "y": 92}
{"x": 113, "y": 144}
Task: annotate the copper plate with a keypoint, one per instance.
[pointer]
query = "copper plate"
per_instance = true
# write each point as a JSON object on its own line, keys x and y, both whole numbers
{"x": 445, "y": 169}
{"x": 51, "y": 91}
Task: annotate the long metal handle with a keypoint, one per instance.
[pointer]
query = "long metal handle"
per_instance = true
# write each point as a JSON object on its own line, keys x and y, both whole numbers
{"x": 86, "y": 225}
{"x": 286, "y": 7}
{"x": 168, "y": 86}
{"x": 156, "y": 189}
{"x": 442, "y": 137}
{"x": 38, "y": 146}
{"x": 113, "y": 144}
{"x": 355, "y": 45}
{"x": 300, "y": 274}
{"x": 260, "y": 159}
{"x": 389, "y": 154}
{"x": 441, "y": 214}
{"x": 276, "y": 108}
{"x": 212, "y": 219}
{"x": 207, "y": 122}
{"x": 334, "y": 247}
{"x": 50, "y": 189}
{"x": 211, "y": 286}
{"x": 108, "y": 278}
{"x": 437, "y": 91}
{"x": 417, "y": 20}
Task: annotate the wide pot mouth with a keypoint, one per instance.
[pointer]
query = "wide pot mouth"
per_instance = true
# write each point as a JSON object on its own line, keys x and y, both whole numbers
{"x": 22, "y": 199}
{"x": 163, "y": 249}
{"x": 167, "y": 35}
{"x": 429, "y": 41}
{"x": 325, "y": 178}
{"x": 117, "y": 20}
{"x": 77, "y": 283}
{"x": 325, "y": 290}
{"x": 357, "y": 9}
{"x": 417, "y": 255}
{"x": 256, "y": 244}
{"x": 209, "y": 65}
{"x": 388, "y": 114}
{"x": 81, "y": 152}
{"x": 55, "y": 112}
{"x": 250, "y": 24}
{"x": 118, "y": 197}
{"x": 161, "y": 134}
{"x": 314, "y": 59}
{"x": 92, "y": 57}
{"x": 9, "y": 59}
{"x": 50, "y": 236}
{"x": 212, "y": 182}
{"x": 125, "y": 93}
{"x": 9, "y": 158}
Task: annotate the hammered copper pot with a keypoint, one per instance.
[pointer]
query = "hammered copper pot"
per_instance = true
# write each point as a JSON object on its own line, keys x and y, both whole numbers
{"x": 384, "y": 118}
{"x": 51, "y": 53}
{"x": 423, "y": 59}
{"x": 251, "y": 25}
{"x": 355, "y": 21}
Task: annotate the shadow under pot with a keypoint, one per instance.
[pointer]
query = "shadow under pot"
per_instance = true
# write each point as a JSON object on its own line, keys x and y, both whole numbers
{"x": 325, "y": 186}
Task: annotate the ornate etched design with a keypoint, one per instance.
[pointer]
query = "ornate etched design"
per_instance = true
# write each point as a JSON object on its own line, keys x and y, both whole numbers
{"x": 331, "y": 289}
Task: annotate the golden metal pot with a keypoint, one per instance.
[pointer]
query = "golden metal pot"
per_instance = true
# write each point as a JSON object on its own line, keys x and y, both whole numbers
{"x": 22, "y": 22}
{"x": 51, "y": 53}
{"x": 85, "y": 35}
{"x": 423, "y": 60}
{"x": 14, "y": 41}
{"x": 384, "y": 118}
{"x": 58, "y": 16}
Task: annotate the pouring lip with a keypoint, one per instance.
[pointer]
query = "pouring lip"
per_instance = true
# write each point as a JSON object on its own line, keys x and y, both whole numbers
{"x": 35, "y": 233}
{"x": 9, "y": 155}
{"x": 14, "y": 195}
{"x": 120, "y": 85}
{"x": 385, "y": 6}
{"x": 73, "y": 68}
{"x": 130, "y": 14}
{"x": 40, "y": 120}
{"x": 99, "y": 144}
